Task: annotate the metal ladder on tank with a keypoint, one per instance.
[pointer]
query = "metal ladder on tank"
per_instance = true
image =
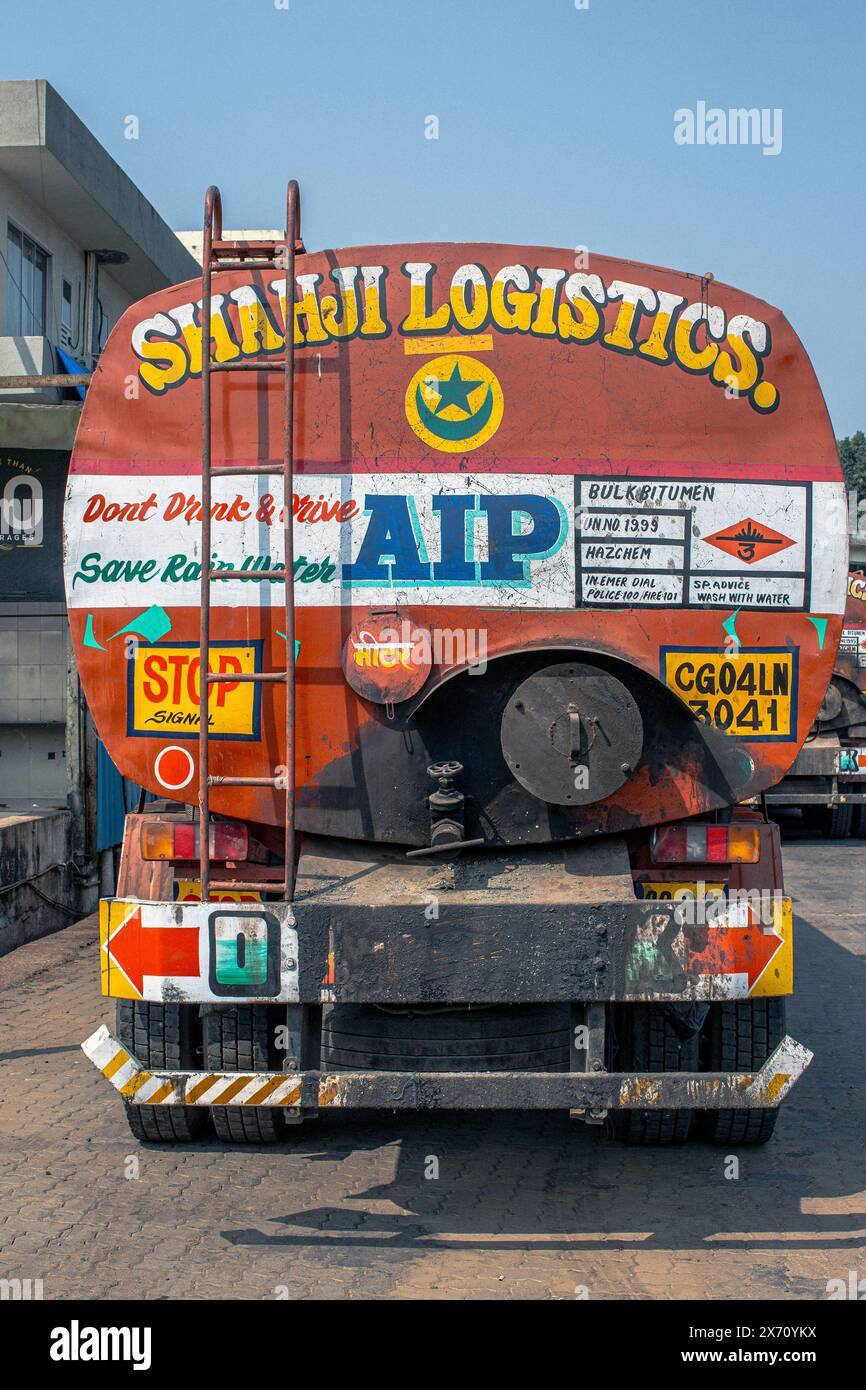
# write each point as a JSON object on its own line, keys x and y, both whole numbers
{"x": 248, "y": 255}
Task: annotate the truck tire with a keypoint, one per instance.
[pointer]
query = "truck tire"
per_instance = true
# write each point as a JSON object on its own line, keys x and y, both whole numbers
{"x": 646, "y": 1040}
{"x": 503, "y": 1037}
{"x": 739, "y": 1035}
{"x": 163, "y": 1037}
{"x": 242, "y": 1037}
{"x": 833, "y": 822}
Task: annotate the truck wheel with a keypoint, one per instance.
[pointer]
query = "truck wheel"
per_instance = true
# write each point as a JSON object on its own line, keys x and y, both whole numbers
{"x": 739, "y": 1036}
{"x": 647, "y": 1041}
{"x": 242, "y": 1037}
{"x": 833, "y": 822}
{"x": 163, "y": 1037}
{"x": 503, "y": 1037}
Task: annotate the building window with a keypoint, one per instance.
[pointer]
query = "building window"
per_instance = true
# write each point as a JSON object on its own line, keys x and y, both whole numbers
{"x": 26, "y": 274}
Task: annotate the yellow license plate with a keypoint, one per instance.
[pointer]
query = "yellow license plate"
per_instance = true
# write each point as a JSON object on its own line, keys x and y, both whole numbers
{"x": 668, "y": 892}
{"x": 750, "y": 694}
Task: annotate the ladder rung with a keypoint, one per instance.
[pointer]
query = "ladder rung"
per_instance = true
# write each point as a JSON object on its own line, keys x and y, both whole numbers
{"x": 220, "y": 244}
{"x": 264, "y": 886}
{"x": 244, "y": 781}
{"x": 239, "y": 470}
{"x": 246, "y": 574}
{"x": 246, "y": 676}
{"x": 269, "y": 264}
{"x": 223, "y": 247}
{"x": 257, "y": 366}
{"x": 253, "y": 872}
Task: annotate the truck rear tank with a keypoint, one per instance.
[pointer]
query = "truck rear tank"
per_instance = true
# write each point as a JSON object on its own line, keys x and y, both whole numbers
{"x": 566, "y": 573}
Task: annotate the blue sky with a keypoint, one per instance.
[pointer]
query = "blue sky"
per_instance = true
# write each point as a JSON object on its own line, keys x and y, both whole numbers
{"x": 555, "y": 127}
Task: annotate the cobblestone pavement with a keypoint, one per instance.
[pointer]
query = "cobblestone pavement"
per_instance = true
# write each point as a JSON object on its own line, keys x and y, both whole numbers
{"x": 524, "y": 1206}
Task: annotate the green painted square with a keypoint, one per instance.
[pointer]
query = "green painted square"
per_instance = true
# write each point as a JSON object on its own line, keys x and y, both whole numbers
{"x": 241, "y": 958}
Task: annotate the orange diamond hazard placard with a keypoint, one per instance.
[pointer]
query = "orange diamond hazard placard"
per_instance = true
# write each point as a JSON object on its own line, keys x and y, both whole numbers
{"x": 749, "y": 540}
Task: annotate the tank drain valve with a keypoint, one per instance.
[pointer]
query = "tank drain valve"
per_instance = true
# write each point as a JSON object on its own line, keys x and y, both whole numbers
{"x": 447, "y": 806}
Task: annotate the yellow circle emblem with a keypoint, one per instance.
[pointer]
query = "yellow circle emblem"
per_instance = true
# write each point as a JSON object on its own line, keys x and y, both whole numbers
{"x": 454, "y": 403}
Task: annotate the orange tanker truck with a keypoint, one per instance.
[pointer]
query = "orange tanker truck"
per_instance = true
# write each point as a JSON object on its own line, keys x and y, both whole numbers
{"x": 450, "y": 630}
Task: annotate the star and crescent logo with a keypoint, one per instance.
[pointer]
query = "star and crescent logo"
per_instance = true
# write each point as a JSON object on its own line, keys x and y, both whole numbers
{"x": 454, "y": 403}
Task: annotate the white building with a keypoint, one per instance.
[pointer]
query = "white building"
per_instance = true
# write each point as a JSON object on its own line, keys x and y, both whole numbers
{"x": 79, "y": 242}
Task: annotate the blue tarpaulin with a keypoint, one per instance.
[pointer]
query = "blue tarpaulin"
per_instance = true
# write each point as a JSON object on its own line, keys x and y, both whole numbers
{"x": 74, "y": 368}
{"x": 115, "y": 795}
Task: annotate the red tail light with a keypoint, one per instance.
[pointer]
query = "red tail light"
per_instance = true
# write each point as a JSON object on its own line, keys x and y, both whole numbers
{"x": 706, "y": 844}
{"x": 162, "y": 839}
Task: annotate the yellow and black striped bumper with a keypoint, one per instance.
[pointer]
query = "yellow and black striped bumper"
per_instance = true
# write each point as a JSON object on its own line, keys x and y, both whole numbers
{"x": 313, "y": 1090}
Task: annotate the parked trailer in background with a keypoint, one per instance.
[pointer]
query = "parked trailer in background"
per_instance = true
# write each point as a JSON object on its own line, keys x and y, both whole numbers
{"x": 828, "y": 778}
{"x": 452, "y": 819}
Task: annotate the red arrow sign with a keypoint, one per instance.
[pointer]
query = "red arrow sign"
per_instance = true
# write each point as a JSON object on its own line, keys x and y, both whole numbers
{"x": 734, "y": 951}
{"x": 141, "y": 951}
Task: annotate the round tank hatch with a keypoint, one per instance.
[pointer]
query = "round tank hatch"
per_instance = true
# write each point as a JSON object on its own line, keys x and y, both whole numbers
{"x": 572, "y": 734}
{"x": 387, "y": 659}
{"x": 831, "y": 705}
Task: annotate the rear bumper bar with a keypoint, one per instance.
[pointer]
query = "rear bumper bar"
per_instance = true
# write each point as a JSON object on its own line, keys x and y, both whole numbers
{"x": 472, "y": 952}
{"x": 306, "y": 1092}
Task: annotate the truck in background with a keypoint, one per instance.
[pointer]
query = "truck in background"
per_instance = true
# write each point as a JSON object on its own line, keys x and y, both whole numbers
{"x": 827, "y": 780}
